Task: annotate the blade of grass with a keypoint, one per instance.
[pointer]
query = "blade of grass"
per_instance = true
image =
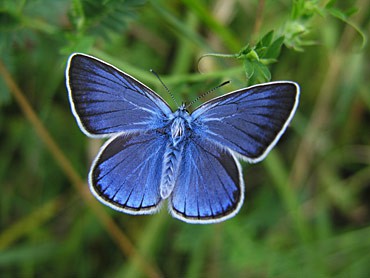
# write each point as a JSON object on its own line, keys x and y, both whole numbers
{"x": 28, "y": 223}
{"x": 147, "y": 77}
{"x": 184, "y": 56}
{"x": 18, "y": 255}
{"x": 179, "y": 26}
{"x": 322, "y": 109}
{"x": 151, "y": 240}
{"x": 223, "y": 32}
{"x": 279, "y": 174}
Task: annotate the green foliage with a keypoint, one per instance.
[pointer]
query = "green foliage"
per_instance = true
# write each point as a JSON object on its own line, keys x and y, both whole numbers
{"x": 102, "y": 17}
{"x": 98, "y": 19}
{"x": 304, "y": 12}
{"x": 266, "y": 50}
{"x": 256, "y": 58}
{"x": 306, "y": 211}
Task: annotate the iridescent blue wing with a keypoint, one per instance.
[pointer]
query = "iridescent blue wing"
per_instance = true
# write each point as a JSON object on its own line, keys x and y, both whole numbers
{"x": 249, "y": 121}
{"x": 105, "y": 100}
{"x": 209, "y": 187}
{"x": 127, "y": 172}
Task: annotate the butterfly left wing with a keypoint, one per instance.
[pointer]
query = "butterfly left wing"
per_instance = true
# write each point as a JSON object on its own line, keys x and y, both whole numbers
{"x": 209, "y": 187}
{"x": 126, "y": 173}
{"x": 105, "y": 100}
{"x": 249, "y": 121}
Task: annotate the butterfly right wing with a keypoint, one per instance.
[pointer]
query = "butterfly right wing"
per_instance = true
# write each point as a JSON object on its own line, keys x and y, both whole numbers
{"x": 249, "y": 121}
{"x": 105, "y": 100}
{"x": 127, "y": 172}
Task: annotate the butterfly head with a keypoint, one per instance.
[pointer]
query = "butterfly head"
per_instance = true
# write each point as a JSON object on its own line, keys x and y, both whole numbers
{"x": 183, "y": 107}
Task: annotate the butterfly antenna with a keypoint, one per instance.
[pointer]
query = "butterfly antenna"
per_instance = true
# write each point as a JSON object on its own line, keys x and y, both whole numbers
{"x": 206, "y": 93}
{"x": 164, "y": 85}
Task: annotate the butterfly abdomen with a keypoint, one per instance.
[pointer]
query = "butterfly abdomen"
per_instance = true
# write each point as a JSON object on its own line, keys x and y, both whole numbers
{"x": 172, "y": 155}
{"x": 171, "y": 162}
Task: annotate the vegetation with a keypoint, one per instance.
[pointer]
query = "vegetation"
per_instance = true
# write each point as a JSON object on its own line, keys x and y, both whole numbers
{"x": 306, "y": 211}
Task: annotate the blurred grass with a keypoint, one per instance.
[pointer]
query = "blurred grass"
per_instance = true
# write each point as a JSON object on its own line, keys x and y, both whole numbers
{"x": 306, "y": 211}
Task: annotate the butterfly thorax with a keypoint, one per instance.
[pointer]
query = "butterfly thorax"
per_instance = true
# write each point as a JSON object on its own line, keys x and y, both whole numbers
{"x": 179, "y": 126}
{"x": 177, "y": 130}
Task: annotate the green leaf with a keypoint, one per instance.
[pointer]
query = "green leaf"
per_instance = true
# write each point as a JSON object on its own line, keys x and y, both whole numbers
{"x": 262, "y": 72}
{"x": 252, "y": 56}
{"x": 344, "y": 16}
{"x": 103, "y": 18}
{"x": 274, "y": 49}
{"x": 256, "y": 72}
{"x": 266, "y": 40}
{"x": 245, "y": 50}
{"x": 249, "y": 68}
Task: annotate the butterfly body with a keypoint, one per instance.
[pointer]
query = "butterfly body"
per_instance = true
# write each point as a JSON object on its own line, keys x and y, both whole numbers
{"x": 155, "y": 154}
{"x": 176, "y": 136}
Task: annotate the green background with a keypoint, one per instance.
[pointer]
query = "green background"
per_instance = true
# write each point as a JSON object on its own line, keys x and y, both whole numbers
{"x": 307, "y": 206}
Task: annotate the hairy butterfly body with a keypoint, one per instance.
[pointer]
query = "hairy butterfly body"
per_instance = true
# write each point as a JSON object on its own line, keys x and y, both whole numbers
{"x": 155, "y": 154}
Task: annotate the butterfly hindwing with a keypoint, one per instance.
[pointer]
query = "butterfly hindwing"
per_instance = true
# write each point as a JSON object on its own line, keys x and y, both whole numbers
{"x": 126, "y": 173}
{"x": 209, "y": 187}
{"x": 105, "y": 100}
{"x": 249, "y": 121}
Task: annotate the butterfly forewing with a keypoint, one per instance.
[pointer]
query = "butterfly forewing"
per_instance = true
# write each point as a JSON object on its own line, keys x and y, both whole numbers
{"x": 105, "y": 100}
{"x": 249, "y": 121}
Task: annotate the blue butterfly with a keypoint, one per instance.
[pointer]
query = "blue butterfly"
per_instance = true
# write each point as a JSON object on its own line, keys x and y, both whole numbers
{"x": 155, "y": 154}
